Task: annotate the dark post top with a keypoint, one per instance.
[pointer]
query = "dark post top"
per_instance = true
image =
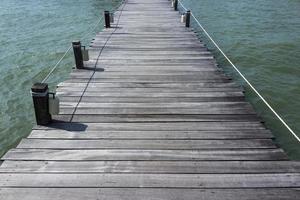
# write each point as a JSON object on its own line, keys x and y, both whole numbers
{"x": 76, "y": 42}
{"x": 39, "y": 87}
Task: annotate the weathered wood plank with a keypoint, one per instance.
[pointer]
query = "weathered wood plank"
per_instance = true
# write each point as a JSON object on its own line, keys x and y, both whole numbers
{"x": 147, "y": 85}
{"x": 145, "y": 144}
{"x": 110, "y": 118}
{"x": 147, "y": 194}
{"x": 155, "y": 126}
{"x": 154, "y": 155}
{"x": 150, "y": 99}
{"x": 148, "y": 77}
{"x": 152, "y": 167}
{"x": 154, "y": 95}
{"x": 152, "y": 180}
{"x": 124, "y": 80}
{"x": 157, "y": 111}
{"x": 159, "y": 135}
{"x": 195, "y": 105}
{"x": 150, "y": 90}
{"x": 147, "y": 73}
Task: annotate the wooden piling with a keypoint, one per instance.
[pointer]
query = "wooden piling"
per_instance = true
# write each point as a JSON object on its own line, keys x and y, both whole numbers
{"x": 188, "y": 19}
{"x": 40, "y": 98}
{"x": 107, "y": 19}
{"x": 78, "y": 54}
{"x": 175, "y": 5}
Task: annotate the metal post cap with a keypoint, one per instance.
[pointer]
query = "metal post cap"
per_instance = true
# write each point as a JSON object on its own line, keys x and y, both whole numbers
{"x": 39, "y": 87}
{"x": 76, "y": 42}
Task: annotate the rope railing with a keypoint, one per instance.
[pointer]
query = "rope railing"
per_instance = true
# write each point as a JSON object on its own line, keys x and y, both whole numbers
{"x": 240, "y": 73}
{"x": 181, "y": 4}
{"x": 56, "y": 65}
{"x": 82, "y": 38}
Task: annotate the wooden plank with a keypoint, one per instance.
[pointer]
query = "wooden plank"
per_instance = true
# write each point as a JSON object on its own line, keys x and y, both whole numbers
{"x": 146, "y": 39}
{"x": 147, "y": 46}
{"x": 158, "y": 66}
{"x": 110, "y": 118}
{"x": 148, "y": 73}
{"x": 158, "y": 111}
{"x": 145, "y": 144}
{"x": 151, "y": 49}
{"x": 152, "y": 135}
{"x": 152, "y": 167}
{"x": 154, "y": 95}
{"x": 155, "y": 126}
{"x": 154, "y": 155}
{"x": 163, "y": 68}
{"x": 149, "y": 59}
{"x": 124, "y": 80}
{"x": 164, "y": 65}
{"x": 148, "y": 68}
{"x": 149, "y": 43}
{"x": 152, "y": 180}
{"x": 149, "y": 77}
{"x": 168, "y": 61}
{"x": 148, "y": 90}
{"x": 194, "y": 105}
{"x": 151, "y": 99}
{"x": 147, "y": 194}
{"x": 160, "y": 105}
{"x": 148, "y": 85}
{"x": 138, "y": 35}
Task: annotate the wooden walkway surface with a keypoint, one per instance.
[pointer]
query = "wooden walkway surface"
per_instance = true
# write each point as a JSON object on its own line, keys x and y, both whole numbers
{"x": 151, "y": 117}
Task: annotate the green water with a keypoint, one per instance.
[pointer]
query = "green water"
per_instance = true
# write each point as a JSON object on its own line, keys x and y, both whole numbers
{"x": 34, "y": 34}
{"x": 261, "y": 37}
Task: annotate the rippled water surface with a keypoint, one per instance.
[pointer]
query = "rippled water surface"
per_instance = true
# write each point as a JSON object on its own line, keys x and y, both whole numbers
{"x": 261, "y": 37}
{"x": 34, "y": 34}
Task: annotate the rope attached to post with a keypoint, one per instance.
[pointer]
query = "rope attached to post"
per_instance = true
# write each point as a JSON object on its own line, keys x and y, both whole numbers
{"x": 181, "y": 4}
{"x": 240, "y": 73}
{"x": 70, "y": 47}
{"x": 97, "y": 60}
{"x": 56, "y": 65}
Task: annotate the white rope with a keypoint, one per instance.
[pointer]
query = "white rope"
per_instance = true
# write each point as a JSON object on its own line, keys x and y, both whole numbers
{"x": 67, "y": 51}
{"x": 248, "y": 82}
{"x": 101, "y": 18}
{"x": 181, "y": 4}
{"x": 56, "y": 65}
{"x": 92, "y": 30}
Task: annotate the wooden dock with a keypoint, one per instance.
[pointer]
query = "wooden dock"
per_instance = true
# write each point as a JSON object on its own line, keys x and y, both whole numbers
{"x": 150, "y": 118}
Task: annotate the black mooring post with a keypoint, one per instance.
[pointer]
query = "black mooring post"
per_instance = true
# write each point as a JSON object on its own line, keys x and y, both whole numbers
{"x": 40, "y": 97}
{"x": 188, "y": 18}
{"x": 107, "y": 19}
{"x": 78, "y": 54}
{"x": 175, "y": 5}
